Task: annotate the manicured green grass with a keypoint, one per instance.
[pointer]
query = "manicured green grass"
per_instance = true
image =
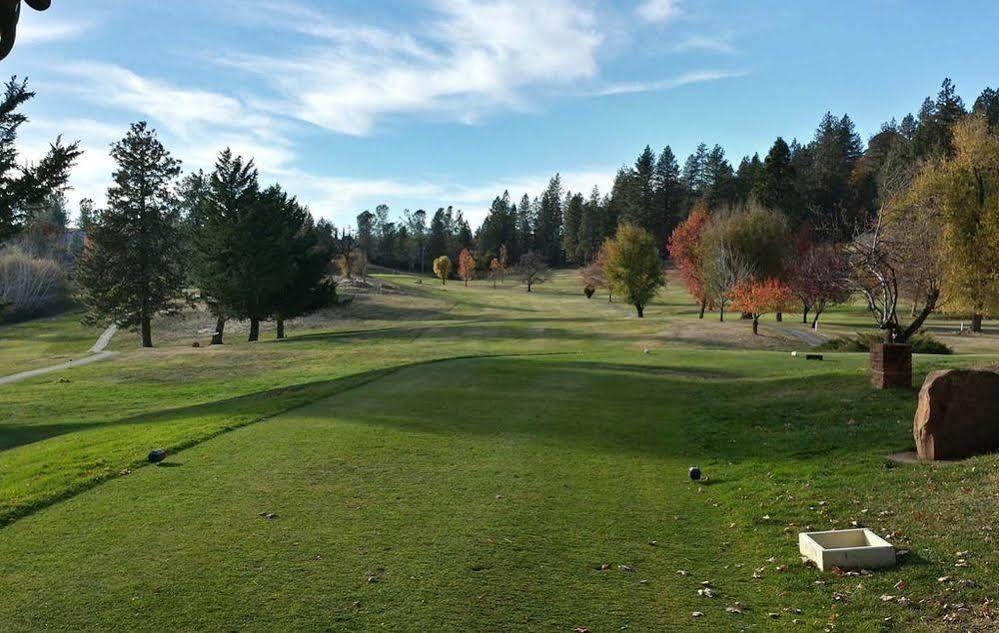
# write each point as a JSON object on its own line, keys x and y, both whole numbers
{"x": 482, "y": 493}
{"x": 42, "y": 342}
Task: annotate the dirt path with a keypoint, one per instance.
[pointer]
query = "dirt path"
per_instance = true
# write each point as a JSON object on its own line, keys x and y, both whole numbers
{"x": 96, "y": 352}
{"x": 805, "y": 336}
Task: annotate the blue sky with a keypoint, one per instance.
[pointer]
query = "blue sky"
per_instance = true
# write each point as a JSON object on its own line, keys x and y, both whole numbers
{"x": 425, "y": 103}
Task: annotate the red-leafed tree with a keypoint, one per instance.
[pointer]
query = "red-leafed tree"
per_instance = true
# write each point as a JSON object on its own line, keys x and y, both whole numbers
{"x": 683, "y": 249}
{"x": 466, "y": 266}
{"x": 819, "y": 277}
{"x": 760, "y": 297}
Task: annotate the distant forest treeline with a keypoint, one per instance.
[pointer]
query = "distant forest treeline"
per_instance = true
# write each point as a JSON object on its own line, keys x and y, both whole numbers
{"x": 834, "y": 181}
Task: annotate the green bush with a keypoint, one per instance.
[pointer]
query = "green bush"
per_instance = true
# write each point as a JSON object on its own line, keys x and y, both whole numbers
{"x": 921, "y": 344}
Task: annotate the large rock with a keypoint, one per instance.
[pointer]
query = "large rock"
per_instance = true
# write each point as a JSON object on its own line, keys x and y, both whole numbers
{"x": 958, "y": 414}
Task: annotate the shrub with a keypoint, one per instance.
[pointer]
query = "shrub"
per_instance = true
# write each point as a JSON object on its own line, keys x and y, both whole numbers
{"x": 921, "y": 344}
{"x": 28, "y": 285}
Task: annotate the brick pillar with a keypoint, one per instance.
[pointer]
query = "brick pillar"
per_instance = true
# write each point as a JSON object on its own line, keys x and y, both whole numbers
{"x": 891, "y": 366}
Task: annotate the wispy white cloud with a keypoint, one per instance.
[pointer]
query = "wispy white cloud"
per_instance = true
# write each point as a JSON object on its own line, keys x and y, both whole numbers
{"x": 658, "y": 11}
{"x": 471, "y": 58}
{"x": 183, "y": 111}
{"x": 699, "y": 43}
{"x": 34, "y": 29}
{"x": 686, "y": 79}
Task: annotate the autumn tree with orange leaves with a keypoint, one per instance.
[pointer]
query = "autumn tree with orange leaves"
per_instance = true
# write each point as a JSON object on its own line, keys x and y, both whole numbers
{"x": 466, "y": 266}
{"x": 495, "y": 270}
{"x": 683, "y": 249}
{"x": 760, "y": 297}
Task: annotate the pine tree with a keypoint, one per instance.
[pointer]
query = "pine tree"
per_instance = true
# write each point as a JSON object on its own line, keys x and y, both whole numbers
{"x": 548, "y": 234}
{"x": 264, "y": 258}
{"x": 524, "y": 241}
{"x": 695, "y": 177}
{"x": 987, "y": 105}
{"x": 307, "y": 288}
{"x": 746, "y": 177}
{"x": 23, "y": 186}
{"x": 719, "y": 178}
{"x": 573, "y": 221}
{"x": 936, "y": 120}
{"x": 131, "y": 267}
{"x": 217, "y": 233}
{"x": 776, "y": 187}
{"x": 439, "y": 238}
{"x": 668, "y": 205}
{"x": 591, "y": 228}
{"x": 640, "y": 204}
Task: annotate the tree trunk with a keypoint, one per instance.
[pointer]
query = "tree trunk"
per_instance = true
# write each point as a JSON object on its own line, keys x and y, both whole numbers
{"x": 721, "y": 314}
{"x": 976, "y": 323}
{"x": 147, "y": 332}
{"x": 815, "y": 321}
{"x": 756, "y": 325}
{"x": 219, "y": 331}
{"x": 466, "y": 283}
{"x": 704, "y": 306}
{"x": 641, "y": 310}
{"x": 804, "y": 315}
{"x": 280, "y": 328}
{"x": 528, "y": 286}
{"x": 780, "y": 317}
{"x": 254, "y": 329}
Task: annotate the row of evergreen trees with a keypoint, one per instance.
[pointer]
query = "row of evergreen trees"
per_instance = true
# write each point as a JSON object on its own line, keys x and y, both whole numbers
{"x": 252, "y": 253}
{"x": 832, "y": 182}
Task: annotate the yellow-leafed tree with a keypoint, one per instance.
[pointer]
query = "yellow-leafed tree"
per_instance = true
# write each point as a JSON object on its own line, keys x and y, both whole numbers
{"x": 442, "y": 268}
{"x": 965, "y": 187}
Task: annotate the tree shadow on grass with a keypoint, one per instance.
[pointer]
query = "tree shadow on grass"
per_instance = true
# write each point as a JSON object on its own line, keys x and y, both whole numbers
{"x": 636, "y": 409}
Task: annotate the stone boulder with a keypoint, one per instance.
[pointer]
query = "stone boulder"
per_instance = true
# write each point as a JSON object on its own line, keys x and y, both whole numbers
{"x": 958, "y": 414}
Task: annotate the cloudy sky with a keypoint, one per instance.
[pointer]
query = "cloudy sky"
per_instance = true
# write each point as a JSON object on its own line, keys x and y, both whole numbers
{"x": 425, "y": 103}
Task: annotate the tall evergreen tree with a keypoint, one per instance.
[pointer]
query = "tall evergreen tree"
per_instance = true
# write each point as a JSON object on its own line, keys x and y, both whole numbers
{"x": 437, "y": 244}
{"x": 746, "y": 178}
{"x": 719, "y": 178}
{"x": 573, "y": 220}
{"x": 548, "y": 232}
{"x": 777, "y": 184}
{"x": 217, "y": 233}
{"x": 669, "y": 196}
{"x": 23, "y": 186}
{"x": 591, "y": 227}
{"x": 307, "y": 287}
{"x": 987, "y": 105}
{"x": 833, "y": 154}
{"x": 132, "y": 263}
{"x": 416, "y": 223}
{"x": 936, "y": 121}
{"x": 640, "y": 205}
{"x": 366, "y": 232}
{"x": 695, "y": 172}
{"x": 524, "y": 241}
{"x": 264, "y": 259}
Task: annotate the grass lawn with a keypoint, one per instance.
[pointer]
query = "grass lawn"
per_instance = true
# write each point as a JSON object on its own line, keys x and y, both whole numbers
{"x": 443, "y": 458}
{"x": 43, "y": 342}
